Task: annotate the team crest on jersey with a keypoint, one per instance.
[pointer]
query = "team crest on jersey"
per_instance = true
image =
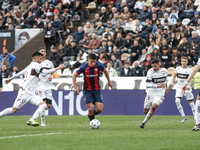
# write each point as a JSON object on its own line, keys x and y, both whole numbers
{"x": 96, "y": 69}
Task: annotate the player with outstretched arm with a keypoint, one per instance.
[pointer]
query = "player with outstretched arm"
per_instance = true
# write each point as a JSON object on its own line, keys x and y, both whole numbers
{"x": 92, "y": 93}
{"x": 182, "y": 72}
{"x": 156, "y": 84}
{"x": 197, "y": 105}
{"x": 27, "y": 90}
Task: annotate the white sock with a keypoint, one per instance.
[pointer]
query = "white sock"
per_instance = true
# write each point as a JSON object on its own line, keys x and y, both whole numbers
{"x": 179, "y": 107}
{"x": 42, "y": 115}
{"x": 197, "y": 111}
{"x": 148, "y": 116}
{"x": 193, "y": 108}
{"x": 40, "y": 109}
{"x": 6, "y": 112}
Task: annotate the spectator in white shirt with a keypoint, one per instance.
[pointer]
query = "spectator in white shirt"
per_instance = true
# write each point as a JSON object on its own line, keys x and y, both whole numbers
{"x": 166, "y": 16}
{"x": 152, "y": 47}
{"x": 139, "y": 6}
{"x": 111, "y": 71}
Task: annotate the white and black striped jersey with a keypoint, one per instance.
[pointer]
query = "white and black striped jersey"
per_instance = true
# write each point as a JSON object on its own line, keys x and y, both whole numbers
{"x": 182, "y": 75}
{"x": 153, "y": 79}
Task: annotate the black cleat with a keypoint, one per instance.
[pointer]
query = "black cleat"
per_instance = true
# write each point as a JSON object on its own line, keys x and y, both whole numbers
{"x": 142, "y": 126}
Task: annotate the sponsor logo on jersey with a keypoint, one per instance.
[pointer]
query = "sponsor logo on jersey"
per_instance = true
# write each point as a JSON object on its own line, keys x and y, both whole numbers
{"x": 182, "y": 76}
{"x": 159, "y": 80}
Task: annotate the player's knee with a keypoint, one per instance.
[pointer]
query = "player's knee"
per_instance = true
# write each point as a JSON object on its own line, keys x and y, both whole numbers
{"x": 90, "y": 109}
{"x": 146, "y": 111}
{"x": 99, "y": 110}
{"x": 177, "y": 100}
{"x": 14, "y": 109}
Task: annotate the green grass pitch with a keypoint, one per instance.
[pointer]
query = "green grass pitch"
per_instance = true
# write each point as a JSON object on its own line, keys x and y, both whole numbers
{"x": 115, "y": 133}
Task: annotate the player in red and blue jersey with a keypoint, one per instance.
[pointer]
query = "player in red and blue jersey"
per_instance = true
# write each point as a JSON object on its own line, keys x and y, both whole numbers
{"x": 91, "y": 90}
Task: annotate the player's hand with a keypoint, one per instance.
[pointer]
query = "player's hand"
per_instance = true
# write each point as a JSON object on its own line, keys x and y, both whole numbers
{"x": 162, "y": 85}
{"x": 0, "y": 90}
{"x": 183, "y": 89}
{"x": 172, "y": 84}
{"x": 110, "y": 84}
{"x": 76, "y": 91}
{"x": 7, "y": 81}
{"x": 188, "y": 88}
{"x": 168, "y": 92}
{"x": 50, "y": 78}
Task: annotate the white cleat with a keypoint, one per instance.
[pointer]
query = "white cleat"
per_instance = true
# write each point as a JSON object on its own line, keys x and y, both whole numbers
{"x": 43, "y": 124}
{"x": 183, "y": 119}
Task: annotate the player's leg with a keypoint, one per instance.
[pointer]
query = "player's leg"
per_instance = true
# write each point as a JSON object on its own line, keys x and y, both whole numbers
{"x": 180, "y": 109}
{"x": 90, "y": 111}
{"x": 89, "y": 100}
{"x": 21, "y": 100}
{"x": 147, "y": 105}
{"x": 157, "y": 101}
{"x": 98, "y": 102}
{"x": 197, "y": 114}
{"x": 190, "y": 98}
{"x": 47, "y": 98}
{"x": 36, "y": 100}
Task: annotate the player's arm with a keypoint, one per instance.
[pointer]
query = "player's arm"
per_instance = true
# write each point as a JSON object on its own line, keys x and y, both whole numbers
{"x": 108, "y": 78}
{"x": 194, "y": 71}
{"x": 45, "y": 71}
{"x": 17, "y": 75}
{"x": 173, "y": 79}
{"x": 74, "y": 82}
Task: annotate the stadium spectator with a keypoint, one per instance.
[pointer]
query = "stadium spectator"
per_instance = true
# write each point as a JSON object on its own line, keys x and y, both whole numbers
{"x": 120, "y": 42}
{"x": 194, "y": 38}
{"x": 49, "y": 35}
{"x": 94, "y": 43}
{"x": 72, "y": 52}
{"x": 14, "y": 72}
{"x": 126, "y": 71}
{"x": 146, "y": 29}
{"x": 69, "y": 5}
{"x": 35, "y": 10}
{"x": 194, "y": 51}
{"x": 125, "y": 14}
{"x": 116, "y": 53}
{"x": 144, "y": 15}
{"x": 136, "y": 51}
{"x": 152, "y": 47}
{"x": 57, "y": 24}
{"x": 103, "y": 47}
{"x": 155, "y": 54}
{"x": 143, "y": 56}
{"x": 47, "y": 10}
{"x": 84, "y": 42}
{"x": 165, "y": 57}
{"x": 139, "y": 6}
{"x": 96, "y": 20}
{"x": 188, "y": 12}
{"x": 115, "y": 19}
{"x": 4, "y": 72}
{"x": 99, "y": 30}
{"x": 55, "y": 57}
{"x": 7, "y": 59}
{"x": 176, "y": 58}
{"x": 79, "y": 8}
{"x": 108, "y": 32}
{"x": 137, "y": 70}
{"x": 88, "y": 29}
{"x": 116, "y": 63}
{"x": 127, "y": 44}
{"x": 24, "y": 6}
{"x": 78, "y": 35}
{"x": 2, "y": 26}
{"x": 111, "y": 71}
{"x": 17, "y": 14}
{"x": 103, "y": 15}
{"x": 29, "y": 21}
{"x": 68, "y": 41}
{"x": 184, "y": 47}
{"x": 146, "y": 64}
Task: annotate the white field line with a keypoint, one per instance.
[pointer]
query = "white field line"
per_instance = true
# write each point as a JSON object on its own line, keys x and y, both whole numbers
{"x": 18, "y": 136}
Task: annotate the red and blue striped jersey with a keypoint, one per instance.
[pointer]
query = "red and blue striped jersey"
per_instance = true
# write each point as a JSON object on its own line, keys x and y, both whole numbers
{"x": 91, "y": 75}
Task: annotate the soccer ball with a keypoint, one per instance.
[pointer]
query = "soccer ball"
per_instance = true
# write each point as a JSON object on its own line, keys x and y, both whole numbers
{"x": 95, "y": 124}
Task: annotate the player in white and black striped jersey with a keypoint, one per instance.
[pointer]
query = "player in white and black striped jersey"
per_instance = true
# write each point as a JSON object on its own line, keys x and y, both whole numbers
{"x": 156, "y": 84}
{"x": 182, "y": 72}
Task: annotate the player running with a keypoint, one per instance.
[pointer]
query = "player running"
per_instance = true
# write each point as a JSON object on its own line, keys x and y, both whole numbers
{"x": 182, "y": 72}
{"x": 44, "y": 85}
{"x": 156, "y": 84}
{"x": 92, "y": 93}
{"x": 197, "y": 106}
{"x": 27, "y": 90}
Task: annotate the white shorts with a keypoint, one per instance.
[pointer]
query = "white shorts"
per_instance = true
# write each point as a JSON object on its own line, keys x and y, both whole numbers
{"x": 23, "y": 97}
{"x": 44, "y": 94}
{"x": 188, "y": 94}
{"x": 149, "y": 100}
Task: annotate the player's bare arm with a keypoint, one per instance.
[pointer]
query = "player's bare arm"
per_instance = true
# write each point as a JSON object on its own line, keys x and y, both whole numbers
{"x": 108, "y": 78}
{"x": 76, "y": 90}
{"x": 173, "y": 79}
{"x": 167, "y": 90}
{"x": 195, "y": 70}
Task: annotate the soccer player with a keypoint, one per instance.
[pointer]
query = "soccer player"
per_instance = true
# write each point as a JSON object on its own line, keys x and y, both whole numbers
{"x": 182, "y": 72}
{"x": 197, "y": 105}
{"x": 92, "y": 94}
{"x": 27, "y": 90}
{"x": 44, "y": 85}
{"x": 156, "y": 84}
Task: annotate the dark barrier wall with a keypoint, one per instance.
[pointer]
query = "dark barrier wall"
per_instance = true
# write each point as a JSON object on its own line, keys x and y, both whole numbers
{"x": 116, "y": 102}
{"x": 7, "y": 40}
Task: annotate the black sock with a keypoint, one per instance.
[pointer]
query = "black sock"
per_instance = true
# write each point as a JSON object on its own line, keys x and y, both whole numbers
{"x": 91, "y": 117}
{"x": 95, "y": 112}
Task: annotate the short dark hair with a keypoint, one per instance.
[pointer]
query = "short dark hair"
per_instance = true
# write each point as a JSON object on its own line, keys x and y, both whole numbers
{"x": 41, "y": 48}
{"x": 155, "y": 61}
{"x": 36, "y": 53}
{"x": 92, "y": 56}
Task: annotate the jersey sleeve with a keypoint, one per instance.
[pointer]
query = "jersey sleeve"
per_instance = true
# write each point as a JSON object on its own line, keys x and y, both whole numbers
{"x": 38, "y": 68}
{"x": 175, "y": 71}
{"x": 198, "y": 63}
{"x": 81, "y": 69}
